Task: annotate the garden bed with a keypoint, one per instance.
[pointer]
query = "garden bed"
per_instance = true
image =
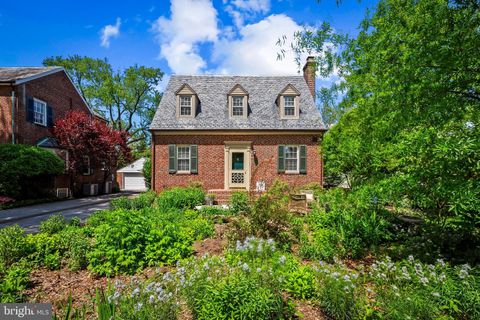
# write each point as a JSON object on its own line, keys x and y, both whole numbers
{"x": 153, "y": 257}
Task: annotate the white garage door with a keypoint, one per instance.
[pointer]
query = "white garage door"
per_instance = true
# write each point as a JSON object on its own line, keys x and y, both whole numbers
{"x": 133, "y": 181}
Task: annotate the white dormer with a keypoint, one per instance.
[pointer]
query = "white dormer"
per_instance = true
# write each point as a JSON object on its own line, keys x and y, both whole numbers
{"x": 187, "y": 102}
{"x": 238, "y": 103}
{"x": 289, "y": 102}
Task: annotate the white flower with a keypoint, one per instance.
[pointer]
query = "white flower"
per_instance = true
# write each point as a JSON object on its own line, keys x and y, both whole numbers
{"x": 245, "y": 267}
{"x": 394, "y": 287}
{"x": 424, "y": 281}
{"x": 283, "y": 259}
{"x": 410, "y": 258}
{"x": 335, "y": 275}
{"x": 259, "y": 270}
{"x": 463, "y": 274}
{"x": 346, "y": 277}
{"x": 151, "y": 299}
{"x": 135, "y": 292}
{"x": 138, "y": 306}
{"x": 436, "y": 294}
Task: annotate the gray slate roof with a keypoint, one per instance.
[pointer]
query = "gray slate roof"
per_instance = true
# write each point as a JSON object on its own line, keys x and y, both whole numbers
{"x": 18, "y": 73}
{"x": 213, "y": 114}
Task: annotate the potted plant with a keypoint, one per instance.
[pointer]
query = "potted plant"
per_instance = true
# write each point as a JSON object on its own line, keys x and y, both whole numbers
{"x": 209, "y": 199}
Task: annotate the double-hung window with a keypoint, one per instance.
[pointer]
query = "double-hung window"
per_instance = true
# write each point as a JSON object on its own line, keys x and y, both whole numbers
{"x": 39, "y": 112}
{"x": 185, "y": 105}
{"x": 289, "y": 105}
{"x": 291, "y": 159}
{"x": 237, "y": 106}
{"x": 183, "y": 158}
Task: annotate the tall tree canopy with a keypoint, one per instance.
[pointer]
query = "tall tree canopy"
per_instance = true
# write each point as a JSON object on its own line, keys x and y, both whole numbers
{"x": 126, "y": 98}
{"x": 411, "y": 97}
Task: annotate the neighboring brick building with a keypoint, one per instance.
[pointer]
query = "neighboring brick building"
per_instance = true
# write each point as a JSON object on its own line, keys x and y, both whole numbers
{"x": 237, "y": 133}
{"x": 31, "y": 99}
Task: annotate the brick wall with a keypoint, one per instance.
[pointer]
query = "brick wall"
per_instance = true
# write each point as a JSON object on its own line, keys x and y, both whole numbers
{"x": 57, "y": 91}
{"x": 5, "y": 114}
{"x": 211, "y": 160}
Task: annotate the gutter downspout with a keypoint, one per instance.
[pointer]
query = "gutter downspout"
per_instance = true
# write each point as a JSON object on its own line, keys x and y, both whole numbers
{"x": 13, "y": 115}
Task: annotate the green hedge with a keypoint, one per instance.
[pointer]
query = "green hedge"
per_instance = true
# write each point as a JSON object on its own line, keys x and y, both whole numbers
{"x": 19, "y": 162}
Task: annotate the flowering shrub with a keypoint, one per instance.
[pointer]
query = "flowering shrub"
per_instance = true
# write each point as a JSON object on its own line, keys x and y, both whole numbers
{"x": 340, "y": 291}
{"x": 410, "y": 289}
{"x": 138, "y": 300}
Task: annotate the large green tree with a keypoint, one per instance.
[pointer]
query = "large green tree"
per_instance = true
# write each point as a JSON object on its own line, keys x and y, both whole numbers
{"x": 411, "y": 100}
{"x": 126, "y": 98}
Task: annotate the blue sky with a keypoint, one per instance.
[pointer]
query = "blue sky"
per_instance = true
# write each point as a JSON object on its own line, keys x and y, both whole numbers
{"x": 178, "y": 36}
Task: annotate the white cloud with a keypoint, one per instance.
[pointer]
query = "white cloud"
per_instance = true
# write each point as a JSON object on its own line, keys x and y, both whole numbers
{"x": 262, "y": 6}
{"x": 255, "y": 52}
{"x": 110, "y": 31}
{"x": 192, "y": 23}
{"x": 241, "y": 10}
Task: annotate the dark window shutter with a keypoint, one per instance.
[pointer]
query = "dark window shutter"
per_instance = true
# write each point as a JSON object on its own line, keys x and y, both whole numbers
{"x": 49, "y": 116}
{"x": 30, "y": 109}
{"x": 193, "y": 159}
{"x": 172, "y": 158}
{"x": 303, "y": 159}
{"x": 281, "y": 158}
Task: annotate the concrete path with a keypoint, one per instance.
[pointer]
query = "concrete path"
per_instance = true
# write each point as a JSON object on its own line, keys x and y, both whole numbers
{"x": 30, "y": 217}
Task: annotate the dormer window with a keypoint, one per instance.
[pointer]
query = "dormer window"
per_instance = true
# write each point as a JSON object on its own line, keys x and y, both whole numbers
{"x": 238, "y": 103}
{"x": 185, "y": 105}
{"x": 186, "y": 102}
{"x": 288, "y": 101}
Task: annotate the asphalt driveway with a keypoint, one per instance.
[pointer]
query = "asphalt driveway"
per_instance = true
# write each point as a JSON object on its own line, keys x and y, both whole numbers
{"x": 31, "y": 216}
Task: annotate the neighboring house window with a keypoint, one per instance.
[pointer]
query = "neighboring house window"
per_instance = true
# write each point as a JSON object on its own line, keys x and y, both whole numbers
{"x": 185, "y": 105}
{"x": 86, "y": 167}
{"x": 39, "y": 112}
{"x": 183, "y": 159}
{"x": 289, "y": 105}
{"x": 237, "y": 106}
{"x": 292, "y": 159}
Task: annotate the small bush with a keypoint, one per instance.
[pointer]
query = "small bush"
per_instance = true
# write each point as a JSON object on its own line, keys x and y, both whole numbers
{"x": 180, "y": 198}
{"x": 54, "y": 224}
{"x": 144, "y": 200}
{"x": 214, "y": 211}
{"x": 300, "y": 283}
{"x": 13, "y": 245}
{"x": 239, "y": 203}
{"x": 14, "y": 282}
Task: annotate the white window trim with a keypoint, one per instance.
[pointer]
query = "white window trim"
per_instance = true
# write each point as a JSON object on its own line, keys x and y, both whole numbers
{"x": 298, "y": 159}
{"x": 44, "y": 123}
{"x": 244, "y": 106}
{"x": 189, "y": 159}
{"x": 295, "y": 104}
{"x": 191, "y": 105}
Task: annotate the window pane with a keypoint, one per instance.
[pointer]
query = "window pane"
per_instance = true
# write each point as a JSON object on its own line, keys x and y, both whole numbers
{"x": 39, "y": 109}
{"x": 291, "y": 158}
{"x": 289, "y": 105}
{"x": 183, "y": 158}
{"x": 237, "y": 160}
{"x": 185, "y": 105}
{"x": 183, "y": 165}
{"x": 237, "y": 105}
{"x": 291, "y": 164}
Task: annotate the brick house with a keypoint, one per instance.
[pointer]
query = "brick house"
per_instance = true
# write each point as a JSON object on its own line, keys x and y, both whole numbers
{"x": 31, "y": 99}
{"x": 237, "y": 132}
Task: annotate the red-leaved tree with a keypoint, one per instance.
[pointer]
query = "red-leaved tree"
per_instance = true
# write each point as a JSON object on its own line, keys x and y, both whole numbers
{"x": 83, "y": 135}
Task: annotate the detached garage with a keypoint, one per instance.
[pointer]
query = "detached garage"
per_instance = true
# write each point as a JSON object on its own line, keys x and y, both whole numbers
{"x": 130, "y": 178}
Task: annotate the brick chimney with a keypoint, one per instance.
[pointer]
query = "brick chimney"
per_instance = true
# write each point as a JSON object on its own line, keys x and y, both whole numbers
{"x": 309, "y": 74}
